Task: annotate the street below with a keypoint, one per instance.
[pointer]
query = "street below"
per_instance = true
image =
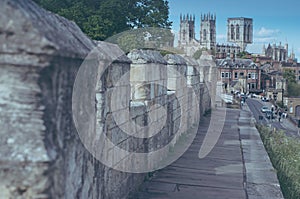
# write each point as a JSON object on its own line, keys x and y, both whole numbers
{"x": 285, "y": 124}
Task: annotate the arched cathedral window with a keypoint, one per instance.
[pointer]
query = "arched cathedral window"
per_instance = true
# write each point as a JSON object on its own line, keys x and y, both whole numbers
{"x": 245, "y": 32}
{"x": 183, "y": 33}
{"x": 232, "y": 31}
{"x": 237, "y": 31}
{"x": 204, "y": 34}
{"x": 248, "y": 32}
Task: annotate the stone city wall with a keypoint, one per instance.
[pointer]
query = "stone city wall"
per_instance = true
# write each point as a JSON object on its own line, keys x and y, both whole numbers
{"x": 45, "y": 152}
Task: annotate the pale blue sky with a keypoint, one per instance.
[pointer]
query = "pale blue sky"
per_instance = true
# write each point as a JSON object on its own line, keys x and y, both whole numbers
{"x": 273, "y": 21}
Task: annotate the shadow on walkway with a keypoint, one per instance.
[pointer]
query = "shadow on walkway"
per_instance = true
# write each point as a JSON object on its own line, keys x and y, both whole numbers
{"x": 217, "y": 176}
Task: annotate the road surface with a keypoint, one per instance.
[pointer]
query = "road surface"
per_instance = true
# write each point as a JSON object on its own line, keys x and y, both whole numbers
{"x": 255, "y": 105}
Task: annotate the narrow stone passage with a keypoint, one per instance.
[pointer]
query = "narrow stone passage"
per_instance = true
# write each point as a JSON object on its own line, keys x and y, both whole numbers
{"x": 217, "y": 176}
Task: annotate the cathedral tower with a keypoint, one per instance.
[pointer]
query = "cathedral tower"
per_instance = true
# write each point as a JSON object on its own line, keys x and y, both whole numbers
{"x": 240, "y": 31}
{"x": 208, "y": 31}
{"x": 187, "y": 30}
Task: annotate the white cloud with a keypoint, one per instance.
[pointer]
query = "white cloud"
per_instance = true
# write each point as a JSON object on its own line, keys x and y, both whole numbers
{"x": 265, "y": 39}
{"x": 221, "y": 36}
{"x": 264, "y": 32}
{"x": 254, "y": 48}
{"x": 265, "y": 35}
{"x": 175, "y": 32}
{"x": 297, "y": 53}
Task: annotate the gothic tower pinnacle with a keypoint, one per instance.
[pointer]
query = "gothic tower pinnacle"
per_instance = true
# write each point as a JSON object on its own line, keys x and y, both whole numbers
{"x": 208, "y": 31}
{"x": 187, "y": 29}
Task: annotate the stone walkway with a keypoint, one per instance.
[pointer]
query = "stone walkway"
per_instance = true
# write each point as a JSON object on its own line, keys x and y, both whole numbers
{"x": 238, "y": 167}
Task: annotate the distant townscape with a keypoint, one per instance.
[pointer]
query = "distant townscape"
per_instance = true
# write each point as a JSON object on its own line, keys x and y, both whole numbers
{"x": 240, "y": 32}
{"x": 97, "y": 107}
{"x": 274, "y": 73}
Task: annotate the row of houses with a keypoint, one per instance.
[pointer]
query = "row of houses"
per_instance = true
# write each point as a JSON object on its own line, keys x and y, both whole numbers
{"x": 241, "y": 75}
{"x": 254, "y": 74}
{"x": 260, "y": 75}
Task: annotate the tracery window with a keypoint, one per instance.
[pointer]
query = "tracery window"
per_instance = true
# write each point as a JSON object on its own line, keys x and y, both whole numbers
{"x": 237, "y": 31}
{"x": 232, "y": 31}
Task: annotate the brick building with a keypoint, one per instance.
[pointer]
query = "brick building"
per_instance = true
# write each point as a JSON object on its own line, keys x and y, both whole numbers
{"x": 241, "y": 75}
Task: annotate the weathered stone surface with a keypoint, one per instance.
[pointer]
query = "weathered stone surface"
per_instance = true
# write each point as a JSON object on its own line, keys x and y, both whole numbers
{"x": 28, "y": 29}
{"x": 42, "y": 153}
{"x": 261, "y": 178}
{"x": 148, "y": 75}
{"x": 174, "y": 59}
{"x": 34, "y": 128}
{"x": 146, "y": 56}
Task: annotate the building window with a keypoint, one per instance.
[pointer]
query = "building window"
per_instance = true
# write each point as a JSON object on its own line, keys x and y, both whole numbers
{"x": 245, "y": 32}
{"x": 236, "y": 75}
{"x": 232, "y": 32}
{"x": 299, "y": 77}
{"x": 237, "y": 32}
{"x": 226, "y": 75}
{"x": 222, "y": 74}
{"x": 249, "y": 75}
{"x": 248, "y": 33}
{"x": 241, "y": 74}
{"x": 204, "y": 34}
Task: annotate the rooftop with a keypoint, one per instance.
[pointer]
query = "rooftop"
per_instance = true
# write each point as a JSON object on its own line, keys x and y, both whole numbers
{"x": 238, "y": 62}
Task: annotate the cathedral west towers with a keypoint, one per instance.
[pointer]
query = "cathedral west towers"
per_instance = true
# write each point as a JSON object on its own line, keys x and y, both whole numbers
{"x": 208, "y": 31}
{"x": 240, "y": 32}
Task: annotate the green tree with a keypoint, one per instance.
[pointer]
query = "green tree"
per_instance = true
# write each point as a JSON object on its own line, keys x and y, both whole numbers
{"x": 144, "y": 38}
{"x": 289, "y": 75}
{"x": 293, "y": 90}
{"x": 149, "y": 13}
{"x": 292, "y": 86}
{"x": 242, "y": 55}
{"x": 100, "y": 19}
{"x": 198, "y": 53}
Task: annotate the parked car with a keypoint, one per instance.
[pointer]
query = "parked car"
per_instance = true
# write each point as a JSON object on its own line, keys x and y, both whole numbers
{"x": 264, "y": 109}
{"x": 270, "y": 115}
{"x": 265, "y": 99}
{"x": 284, "y": 115}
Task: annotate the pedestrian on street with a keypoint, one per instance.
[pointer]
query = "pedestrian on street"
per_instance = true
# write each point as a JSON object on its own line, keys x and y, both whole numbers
{"x": 279, "y": 115}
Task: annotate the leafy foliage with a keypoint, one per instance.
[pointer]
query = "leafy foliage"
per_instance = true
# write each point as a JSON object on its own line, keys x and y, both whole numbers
{"x": 284, "y": 153}
{"x": 198, "y": 53}
{"x": 143, "y": 38}
{"x": 292, "y": 86}
{"x": 101, "y": 19}
{"x": 293, "y": 90}
{"x": 243, "y": 55}
{"x": 289, "y": 75}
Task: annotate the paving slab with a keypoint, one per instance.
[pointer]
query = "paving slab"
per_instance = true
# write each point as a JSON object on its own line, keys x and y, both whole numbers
{"x": 237, "y": 167}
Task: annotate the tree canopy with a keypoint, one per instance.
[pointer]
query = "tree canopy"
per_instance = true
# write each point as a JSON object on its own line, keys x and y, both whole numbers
{"x": 292, "y": 86}
{"x": 144, "y": 38}
{"x": 100, "y": 19}
{"x": 289, "y": 75}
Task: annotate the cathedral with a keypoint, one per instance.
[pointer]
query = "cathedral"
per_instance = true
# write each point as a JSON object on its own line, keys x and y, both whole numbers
{"x": 239, "y": 34}
{"x": 277, "y": 52}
